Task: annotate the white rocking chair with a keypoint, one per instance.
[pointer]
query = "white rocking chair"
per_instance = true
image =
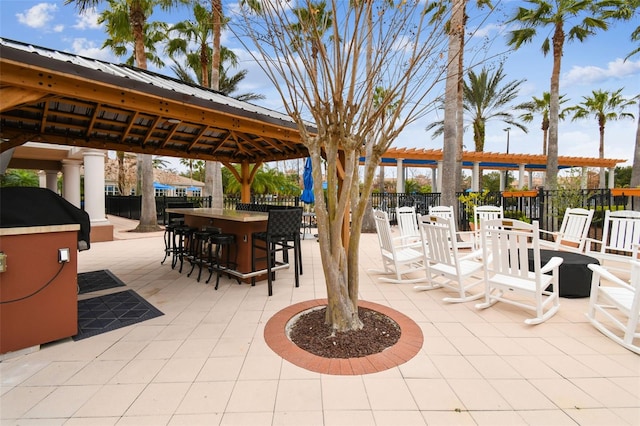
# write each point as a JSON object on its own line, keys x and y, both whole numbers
{"x": 446, "y": 212}
{"x": 620, "y": 240}
{"x": 619, "y": 303}
{"x": 408, "y": 225}
{"x": 573, "y": 232}
{"x": 445, "y": 266}
{"x": 397, "y": 258}
{"x": 506, "y": 247}
{"x": 482, "y": 213}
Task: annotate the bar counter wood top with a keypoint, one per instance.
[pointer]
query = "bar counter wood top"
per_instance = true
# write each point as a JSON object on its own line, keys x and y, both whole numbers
{"x": 224, "y": 214}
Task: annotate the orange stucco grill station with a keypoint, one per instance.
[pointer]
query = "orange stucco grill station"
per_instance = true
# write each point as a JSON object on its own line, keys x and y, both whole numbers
{"x": 40, "y": 235}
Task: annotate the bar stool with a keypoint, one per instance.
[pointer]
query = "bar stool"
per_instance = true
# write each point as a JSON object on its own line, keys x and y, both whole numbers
{"x": 181, "y": 239}
{"x": 282, "y": 235}
{"x": 199, "y": 248}
{"x": 169, "y": 243}
{"x": 223, "y": 244}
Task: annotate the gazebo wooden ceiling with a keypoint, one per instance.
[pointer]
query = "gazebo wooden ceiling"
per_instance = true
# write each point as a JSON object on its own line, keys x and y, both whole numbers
{"x": 58, "y": 98}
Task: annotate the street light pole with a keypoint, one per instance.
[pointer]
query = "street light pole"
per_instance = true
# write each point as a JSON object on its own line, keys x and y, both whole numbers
{"x": 506, "y": 172}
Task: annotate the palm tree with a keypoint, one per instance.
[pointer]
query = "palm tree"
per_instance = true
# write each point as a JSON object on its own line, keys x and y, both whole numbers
{"x": 450, "y": 148}
{"x": 485, "y": 98}
{"x": 116, "y": 20}
{"x": 138, "y": 12}
{"x": 541, "y": 105}
{"x": 120, "y": 42}
{"x": 266, "y": 181}
{"x": 635, "y": 171}
{"x": 604, "y": 106}
{"x": 591, "y": 15}
{"x": 194, "y": 32}
{"x": 454, "y": 96}
{"x": 190, "y": 71}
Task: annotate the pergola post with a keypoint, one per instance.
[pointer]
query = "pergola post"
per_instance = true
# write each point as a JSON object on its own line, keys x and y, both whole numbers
{"x": 521, "y": 176}
{"x": 611, "y": 183}
{"x": 475, "y": 177}
{"x": 400, "y": 176}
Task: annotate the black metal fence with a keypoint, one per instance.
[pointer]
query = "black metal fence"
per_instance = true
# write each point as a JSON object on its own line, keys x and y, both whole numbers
{"x": 547, "y": 207}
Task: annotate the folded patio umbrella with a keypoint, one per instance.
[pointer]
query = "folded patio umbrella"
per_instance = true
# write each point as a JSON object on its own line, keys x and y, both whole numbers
{"x": 307, "y": 180}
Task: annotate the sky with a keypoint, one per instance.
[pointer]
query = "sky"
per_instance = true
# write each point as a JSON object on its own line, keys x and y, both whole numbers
{"x": 595, "y": 64}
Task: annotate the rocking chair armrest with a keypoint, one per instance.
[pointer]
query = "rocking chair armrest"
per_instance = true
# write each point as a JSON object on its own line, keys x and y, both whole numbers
{"x": 470, "y": 233}
{"x": 603, "y": 273}
{"x": 552, "y": 264}
{"x": 552, "y": 233}
{"x": 589, "y": 242}
{"x": 476, "y": 254}
{"x": 412, "y": 244}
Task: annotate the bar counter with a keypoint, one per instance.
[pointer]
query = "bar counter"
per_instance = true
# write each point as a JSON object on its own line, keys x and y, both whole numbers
{"x": 238, "y": 222}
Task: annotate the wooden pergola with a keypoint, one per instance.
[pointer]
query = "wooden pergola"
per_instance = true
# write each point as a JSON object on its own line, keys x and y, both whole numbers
{"x": 417, "y": 157}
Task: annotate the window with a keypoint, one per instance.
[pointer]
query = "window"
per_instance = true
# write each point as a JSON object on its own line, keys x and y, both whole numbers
{"x": 111, "y": 190}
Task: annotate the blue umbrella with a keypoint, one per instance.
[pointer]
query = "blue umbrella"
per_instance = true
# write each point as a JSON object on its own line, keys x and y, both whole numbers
{"x": 307, "y": 180}
{"x": 158, "y": 185}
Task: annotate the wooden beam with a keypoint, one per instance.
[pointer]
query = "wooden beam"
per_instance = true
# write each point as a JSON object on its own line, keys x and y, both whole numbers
{"x": 11, "y": 96}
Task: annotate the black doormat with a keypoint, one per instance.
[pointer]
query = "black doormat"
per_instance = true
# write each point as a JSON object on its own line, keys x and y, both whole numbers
{"x": 97, "y": 280}
{"x": 112, "y": 311}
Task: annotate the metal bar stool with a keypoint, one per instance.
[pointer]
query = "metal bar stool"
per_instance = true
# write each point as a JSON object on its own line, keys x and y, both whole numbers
{"x": 181, "y": 238}
{"x": 221, "y": 243}
{"x": 170, "y": 248}
{"x": 199, "y": 248}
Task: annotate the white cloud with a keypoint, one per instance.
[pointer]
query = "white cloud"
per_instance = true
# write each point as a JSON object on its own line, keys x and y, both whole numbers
{"x": 487, "y": 30}
{"x": 592, "y": 74}
{"x": 88, "y": 48}
{"x": 38, "y": 16}
{"x": 87, "y": 20}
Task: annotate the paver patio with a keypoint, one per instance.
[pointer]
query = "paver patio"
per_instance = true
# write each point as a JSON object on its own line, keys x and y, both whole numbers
{"x": 205, "y": 361}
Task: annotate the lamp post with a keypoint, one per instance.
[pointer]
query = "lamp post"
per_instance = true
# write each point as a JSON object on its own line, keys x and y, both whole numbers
{"x": 506, "y": 172}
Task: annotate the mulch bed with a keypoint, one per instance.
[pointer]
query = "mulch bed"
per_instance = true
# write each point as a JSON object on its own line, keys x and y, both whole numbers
{"x": 312, "y": 334}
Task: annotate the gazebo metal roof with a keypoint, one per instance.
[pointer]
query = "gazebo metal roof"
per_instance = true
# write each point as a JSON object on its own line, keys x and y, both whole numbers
{"x": 58, "y": 98}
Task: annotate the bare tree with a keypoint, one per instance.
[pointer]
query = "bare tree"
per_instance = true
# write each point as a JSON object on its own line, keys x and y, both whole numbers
{"x": 326, "y": 85}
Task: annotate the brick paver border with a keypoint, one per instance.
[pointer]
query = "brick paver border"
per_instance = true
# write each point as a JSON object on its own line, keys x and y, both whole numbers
{"x": 406, "y": 347}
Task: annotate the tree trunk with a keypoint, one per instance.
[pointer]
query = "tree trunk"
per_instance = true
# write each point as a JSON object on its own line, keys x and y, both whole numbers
{"x": 602, "y": 182}
{"x": 217, "y": 195}
{"x": 121, "y": 174}
{"x": 635, "y": 169}
{"x": 213, "y": 174}
{"x": 450, "y": 146}
{"x": 551, "y": 175}
{"x": 148, "y": 217}
{"x": 460, "y": 104}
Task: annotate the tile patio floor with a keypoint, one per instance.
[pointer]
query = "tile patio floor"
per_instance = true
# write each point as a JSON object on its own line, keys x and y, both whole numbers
{"x": 205, "y": 362}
